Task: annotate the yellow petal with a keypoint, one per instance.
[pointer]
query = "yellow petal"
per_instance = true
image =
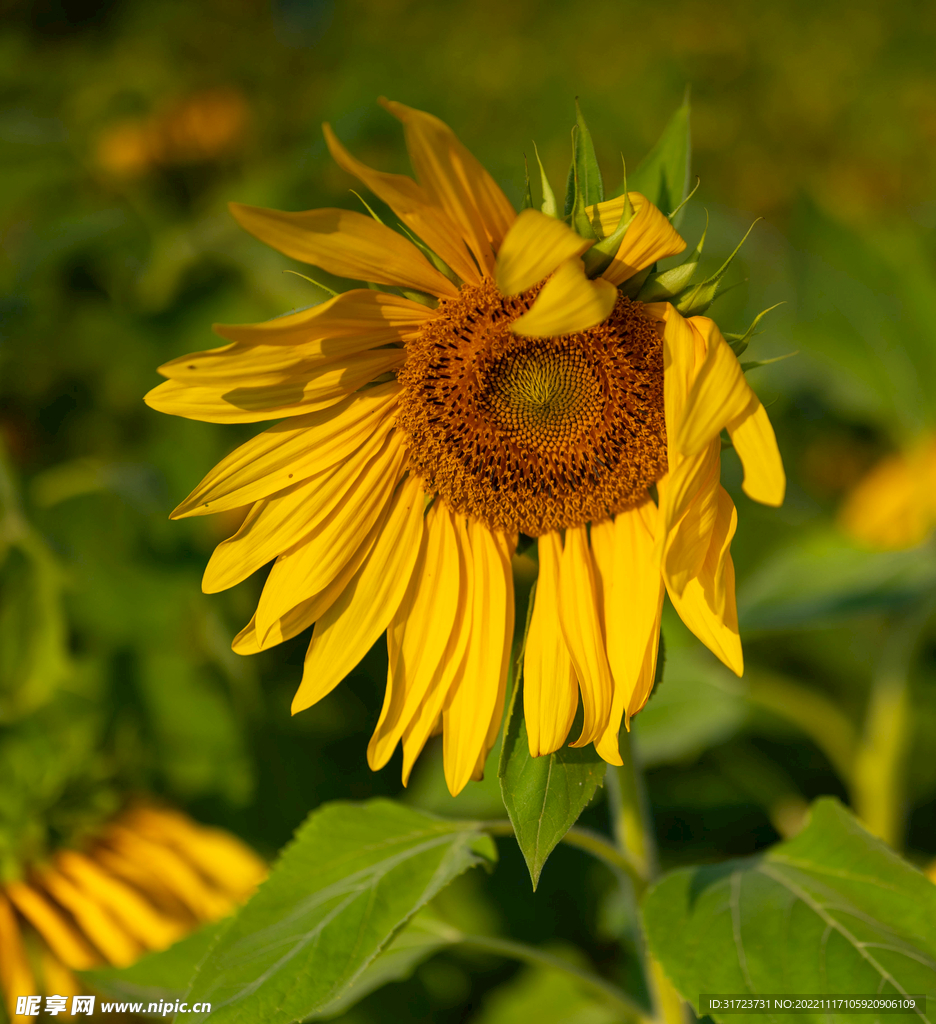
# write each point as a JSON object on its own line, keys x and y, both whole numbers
{"x": 688, "y": 503}
{"x": 56, "y": 977}
{"x": 581, "y": 629}
{"x": 707, "y": 605}
{"x": 352, "y": 322}
{"x": 629, "y": 578}
{"x": 168, "y": 869}
{"x": 650, "y": 236}
{"x": 134, "y": 914}
{"x": 683, "y": 350}
{"x": 719, "y": 393}
{"x": 309, "y": 573}
{"x": 274, "y": 396}
{"x": 346, "y": 244}
{"x": 457, "y": 182}
{"x": 290, "y": 452}
{"x": 426, "y": 718}
{"x": 533, "y": 248}
{"x": 507, "y": 544}
{"x": 419, "y": 634}
{"x": 110, "y": 938}
{"x": 221, "y": 857}
{"x": 276, "y": 524}
{"x": 568, "y": 303}
{"x": 346, "y": 632}
{"x": 550, "y": 691}
{"x": 413, "y": 205}
{"x": 756, "y": 444}
{"x": 894, "y": 505}
{"x": 352, "y": 313}
{"x": 63, "y": 939}
{"x": 16, "y": 975}
{"x": 474, "y": 697}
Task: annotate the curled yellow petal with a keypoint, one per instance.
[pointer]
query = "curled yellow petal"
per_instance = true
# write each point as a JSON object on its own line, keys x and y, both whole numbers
{"x": 568, "y": 303}
{"x": 719, "y": 392}
{"x": 707, "y": 604}
{"x": 650, "y": 236}
{"x": 550, "y": 691}
{"x": 532, "y": 249}
{"x": 414, "y": 206}
{"x": 756, "y": 444}
{"x": 347, "y": 244}
{"x": 348, "y": 629}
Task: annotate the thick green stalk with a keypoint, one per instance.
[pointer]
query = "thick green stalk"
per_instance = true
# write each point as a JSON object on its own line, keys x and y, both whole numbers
{"x": 878, "y": 783}
{"x": 633, "y": 831}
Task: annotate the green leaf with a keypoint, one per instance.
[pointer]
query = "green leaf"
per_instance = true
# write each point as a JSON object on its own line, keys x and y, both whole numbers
{"x": 165, "y": 975}
{"x": 423, "y": 937}
{"x": 832, "y": 911}
{"x": 353, "y": 876}
{"x": 544, "y": 796}
{"x": 550, "y": 207}
{"x": 663, "y": 174}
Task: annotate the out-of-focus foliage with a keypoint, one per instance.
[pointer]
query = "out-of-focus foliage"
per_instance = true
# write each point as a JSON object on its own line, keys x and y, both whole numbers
{"x": 125, "y": 129}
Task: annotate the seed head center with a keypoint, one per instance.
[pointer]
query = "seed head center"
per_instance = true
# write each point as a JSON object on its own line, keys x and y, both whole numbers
{"x": 533, "y": 434}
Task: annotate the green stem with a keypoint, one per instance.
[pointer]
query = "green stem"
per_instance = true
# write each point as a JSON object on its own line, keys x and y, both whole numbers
{"x": 878, "y": 786}
{"x": 537, "y": 958}
{"x": 633, "y": 830}
{"x": 630, "y": 815}
{"x": 583, "y": 839}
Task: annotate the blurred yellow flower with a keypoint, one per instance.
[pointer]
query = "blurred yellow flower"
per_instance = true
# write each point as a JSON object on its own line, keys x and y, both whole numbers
{"x": 199, "y": 127}
{"x": 149, "y": 878}
{"x": 497, "y": 390}
{"x": 894, "y": 505}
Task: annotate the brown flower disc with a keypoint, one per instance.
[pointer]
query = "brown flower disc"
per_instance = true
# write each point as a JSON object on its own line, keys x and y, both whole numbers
{"x": 534, "y": 434}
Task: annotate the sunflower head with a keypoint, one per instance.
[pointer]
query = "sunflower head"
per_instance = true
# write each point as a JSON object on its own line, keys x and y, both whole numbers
{"x": 534, "y": 372}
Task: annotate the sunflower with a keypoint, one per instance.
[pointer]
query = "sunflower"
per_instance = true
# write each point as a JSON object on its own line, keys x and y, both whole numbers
{"x": 149, "y": 877}
{"x": 501, "y": 380}
{"x": 894, "y": 504}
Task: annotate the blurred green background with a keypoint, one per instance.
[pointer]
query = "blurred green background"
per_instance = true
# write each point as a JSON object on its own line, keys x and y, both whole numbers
{"x": 127, "y": 126}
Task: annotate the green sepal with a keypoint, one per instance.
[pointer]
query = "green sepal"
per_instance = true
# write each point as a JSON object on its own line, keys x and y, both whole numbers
{"x": 584, "y": 187}
{"x": 755, "y": 363}
{"x": 311, "y": 280}
{"x": 631, "y": 287}
{"x": 699, "y": 298}
{"x": 663, "y": 174}
{"x": 739, "y": 342}
{"x": 667, "y": 284}
{"x": 599, "y": 256}
{"x": 366, "y": 205}
{"x": 550, "y": 207}
{"x": 527, "y": 203}
{"x": 434, "y": 259}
